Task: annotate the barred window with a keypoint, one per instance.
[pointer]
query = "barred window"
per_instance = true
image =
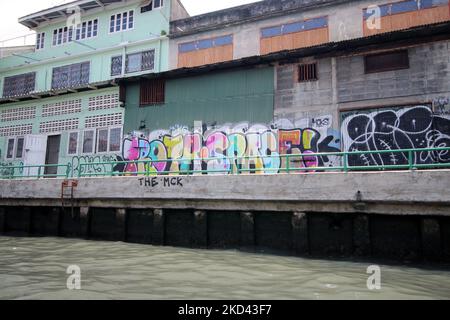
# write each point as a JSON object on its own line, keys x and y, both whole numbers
{"x": 307, "y": 72}
{"x": 152, "y": 92}
{"x": 141, "y": 61}
{"x": 19, "y": 85}
{"x": 116, "y": 66}
{"x": 71, "y": 75}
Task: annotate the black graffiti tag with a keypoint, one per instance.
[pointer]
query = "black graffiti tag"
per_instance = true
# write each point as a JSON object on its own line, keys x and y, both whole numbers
{"x": 166, "y": 182}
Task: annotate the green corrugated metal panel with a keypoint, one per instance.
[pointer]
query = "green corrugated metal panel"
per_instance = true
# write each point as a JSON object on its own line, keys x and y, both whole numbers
{"x": 225, "y": 97}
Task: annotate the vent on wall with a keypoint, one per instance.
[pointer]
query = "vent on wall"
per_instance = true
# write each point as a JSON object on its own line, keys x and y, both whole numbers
{"x": 21, "y": 113}
{"x": 58, "y": 126}
{"x": 61, "y": 108}
{"x": 107, "y": 101}
{"x": 114, "y": 119}
{"x": 307, "y": 72}
{"x": 19, "y": 130}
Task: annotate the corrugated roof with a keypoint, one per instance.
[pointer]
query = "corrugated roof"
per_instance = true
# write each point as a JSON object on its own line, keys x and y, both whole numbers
{"x": 421, "y": 34}
{"x": 57, "y": 12}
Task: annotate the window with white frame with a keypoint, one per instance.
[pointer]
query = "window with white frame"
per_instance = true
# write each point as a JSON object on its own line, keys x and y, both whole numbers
{"x": 102, "y": 140}
{"x": 88, "y": 141}
{"x": 40, "y": 40}
{"x": 72, "y": 148}
{"x": 115, "y": 139}
{"x": 122, "y": 21}
{"x": 84, "y": 30}
{"x": 152, "y": 4}
{"x": 10, "y": 148}
{"x": 109, "y": 139}
{"x": 15, "y": 148}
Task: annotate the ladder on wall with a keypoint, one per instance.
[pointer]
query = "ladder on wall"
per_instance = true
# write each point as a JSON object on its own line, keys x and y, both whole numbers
{"x": 67, "y": 194}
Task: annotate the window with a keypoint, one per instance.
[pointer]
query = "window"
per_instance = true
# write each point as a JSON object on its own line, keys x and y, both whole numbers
{"x": 109, "y": 140}
{"x": 116, "y": 66}
{"x": 102, "y": 140}
{"x": 19, "y": 148}
{"x": 10, "y": 149}
{"x": 206, "y": 44}
{"x": 85, "y": 30}
{"x": 115, "y": 139}
{"x": 152, "y": 92}
{"x": 121, "y": 21}
{"x": 141, "y": 61}
{"x": 15, "y": 148}
{"x": 71, "y": 75}
{"x": 73, "y": 143}
{"x": 19, "y": 85}
{"x": 155, "y": 4}
{"x": 307, "y": 72}
{"x": 88, "y": 141}
{"x": 386, "y": 61}
{"x": 40, "y": 40}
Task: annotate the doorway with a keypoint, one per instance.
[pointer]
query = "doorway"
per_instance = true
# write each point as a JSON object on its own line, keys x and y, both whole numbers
{"x": 52, "y": 156}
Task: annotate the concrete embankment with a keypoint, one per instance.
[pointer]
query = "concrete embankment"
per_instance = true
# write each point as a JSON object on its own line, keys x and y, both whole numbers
{"x": 397, "y": 215}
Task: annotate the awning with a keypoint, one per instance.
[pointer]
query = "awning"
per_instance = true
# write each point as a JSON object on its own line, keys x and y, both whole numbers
{"x": 62, "y": 11}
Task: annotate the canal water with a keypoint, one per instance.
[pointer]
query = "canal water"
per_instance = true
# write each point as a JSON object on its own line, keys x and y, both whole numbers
{"x": 35, "y": 268}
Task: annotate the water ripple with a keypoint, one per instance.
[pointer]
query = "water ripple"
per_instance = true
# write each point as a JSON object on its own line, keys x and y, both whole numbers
{"x": 35, "y": 268}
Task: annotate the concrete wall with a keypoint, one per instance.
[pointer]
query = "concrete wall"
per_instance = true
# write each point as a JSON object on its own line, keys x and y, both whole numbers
{"x": 427, "y": 77}
{"x": 366, "y": 192}
{"x": 296, "y": 100}
{"x": 343, "y": 85}
{"x": 345, "y": 20}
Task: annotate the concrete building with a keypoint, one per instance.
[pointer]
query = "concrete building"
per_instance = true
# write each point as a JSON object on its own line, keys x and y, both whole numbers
{"x": 313, "y": 91}
{"x": 264, "y": 81}
{"x": 59, "y": 103}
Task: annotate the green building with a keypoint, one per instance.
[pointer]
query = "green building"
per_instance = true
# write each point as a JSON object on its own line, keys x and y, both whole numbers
{"x": 60, "y": 103}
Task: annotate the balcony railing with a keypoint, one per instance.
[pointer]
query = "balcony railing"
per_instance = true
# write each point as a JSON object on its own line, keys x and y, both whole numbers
{"x": 235, "y": 165}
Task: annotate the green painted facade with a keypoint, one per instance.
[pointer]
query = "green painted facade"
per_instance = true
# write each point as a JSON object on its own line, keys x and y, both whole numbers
{"x": 215, "y": 98}
{"x": 90, "y": 110}
{"x": 145, "y": 35}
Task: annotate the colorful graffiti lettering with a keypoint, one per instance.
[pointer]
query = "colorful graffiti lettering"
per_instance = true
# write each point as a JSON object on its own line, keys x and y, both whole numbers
{"x": 408, "y": 128}
{"x": 241, "y": 148}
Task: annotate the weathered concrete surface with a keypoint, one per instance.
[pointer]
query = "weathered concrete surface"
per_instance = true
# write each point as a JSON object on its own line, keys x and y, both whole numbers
{"x": 426, "y": 192}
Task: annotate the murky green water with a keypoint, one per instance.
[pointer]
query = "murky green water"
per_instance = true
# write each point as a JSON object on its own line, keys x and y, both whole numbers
{"x": 35, "y": 268}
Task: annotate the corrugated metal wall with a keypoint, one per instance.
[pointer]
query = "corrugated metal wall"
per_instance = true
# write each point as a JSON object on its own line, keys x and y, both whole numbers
{"x": 224, "y": 97}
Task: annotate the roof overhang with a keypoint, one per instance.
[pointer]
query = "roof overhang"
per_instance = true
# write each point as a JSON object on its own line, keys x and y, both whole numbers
{"x": 384, "y": 41}
{"x": 60, "y": 92}
{"x": 63, "y": 11}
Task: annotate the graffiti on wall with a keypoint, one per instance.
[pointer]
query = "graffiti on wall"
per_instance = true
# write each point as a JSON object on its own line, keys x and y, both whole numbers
{"x": 8, "y": 169}
{"x": 230, "y": 148}
{"x": 93, "y": 165}
{"x": 385, "y": 130}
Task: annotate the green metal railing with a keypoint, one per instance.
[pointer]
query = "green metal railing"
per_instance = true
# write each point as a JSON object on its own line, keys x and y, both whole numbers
{"x": 34, "y": 171}
{"x": 237, "y": 164}
{"x": 288, "y": 164}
